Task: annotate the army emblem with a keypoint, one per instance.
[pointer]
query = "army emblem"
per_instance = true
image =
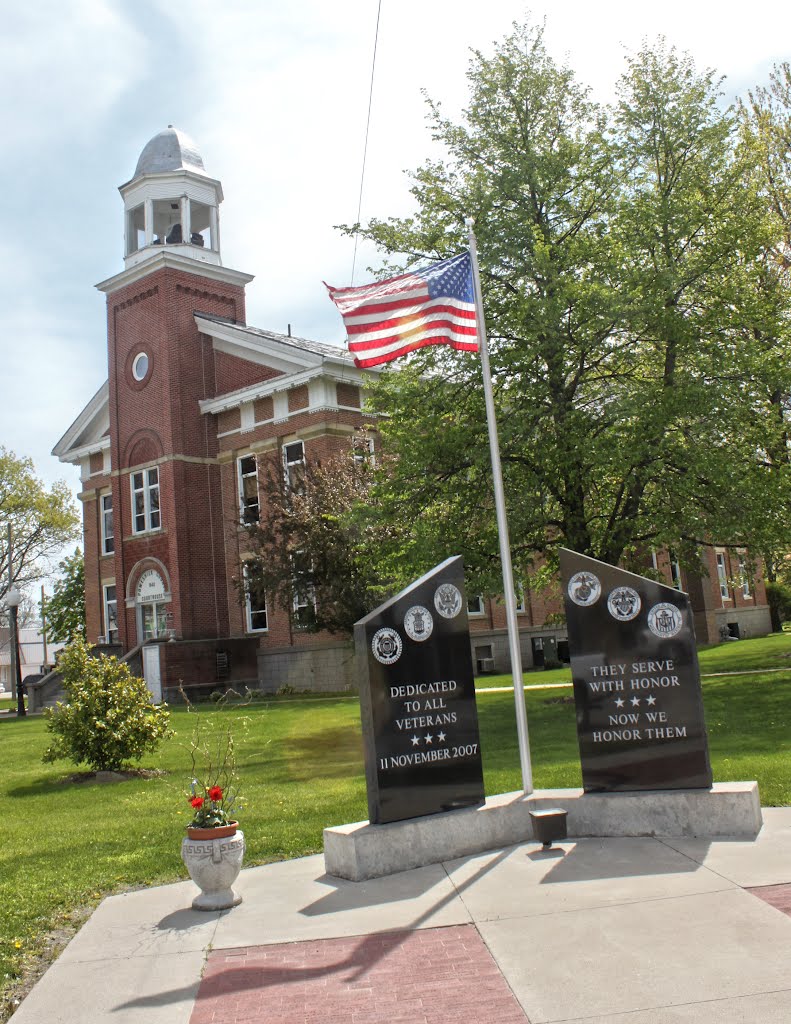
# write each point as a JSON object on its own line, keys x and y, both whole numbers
{"x": 386, "y": 646}
{"x": 584, "y": 588}
{"x": 624, "y": 604}
{"x": 418, "y": 623}
{"x": 664, "y": 620}
{"x": 447, "y": 600}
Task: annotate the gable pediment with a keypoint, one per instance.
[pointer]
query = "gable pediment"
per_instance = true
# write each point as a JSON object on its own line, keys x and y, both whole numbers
{"x": 90, "y": 431}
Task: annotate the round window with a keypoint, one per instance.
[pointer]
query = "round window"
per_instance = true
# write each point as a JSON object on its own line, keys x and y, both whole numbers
{"x": 140, "y": 366}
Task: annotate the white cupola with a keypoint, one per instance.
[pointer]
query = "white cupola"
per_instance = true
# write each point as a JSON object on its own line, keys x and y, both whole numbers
{"x": 171, "y": 204}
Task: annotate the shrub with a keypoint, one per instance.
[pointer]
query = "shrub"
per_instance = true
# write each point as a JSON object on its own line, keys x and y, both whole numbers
{"x": 779, "y": 597}
{"x": 108, "y": 719}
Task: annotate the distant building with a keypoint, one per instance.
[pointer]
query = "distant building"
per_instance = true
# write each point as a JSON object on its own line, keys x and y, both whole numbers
{"x": 169, "y": 452}
{"x": 33, "y": 658}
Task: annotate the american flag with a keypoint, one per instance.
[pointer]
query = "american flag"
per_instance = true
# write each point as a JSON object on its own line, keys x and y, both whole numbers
{"x": 387, "y": 319}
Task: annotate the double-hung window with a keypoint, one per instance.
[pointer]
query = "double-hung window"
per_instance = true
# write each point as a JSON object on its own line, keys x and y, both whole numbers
{"x": 722, "y": 576}
{"x": 744, "y": 576}
{"x": 255, "y": 606}
{"x": 304, "y": 595}
{"x": 249, "y": 508}
{"x": 145, "y": 500}
{"x": 363, "y": 449}
{"x": 293, "y": 461}
{"x": 108, "y": 538}
{"x": 475, "y": 605}
{"x": 110, "y": 614}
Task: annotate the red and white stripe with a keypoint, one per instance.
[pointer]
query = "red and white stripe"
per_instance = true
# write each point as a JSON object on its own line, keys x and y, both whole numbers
{"x": 387, "y": 319}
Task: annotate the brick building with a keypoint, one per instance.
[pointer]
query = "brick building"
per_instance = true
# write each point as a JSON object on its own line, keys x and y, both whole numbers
{"x": 169, "y": 449}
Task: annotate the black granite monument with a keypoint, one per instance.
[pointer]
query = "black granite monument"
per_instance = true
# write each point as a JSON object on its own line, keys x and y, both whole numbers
{"x": 417, "y": 700}
{"x": 637, "y": 690}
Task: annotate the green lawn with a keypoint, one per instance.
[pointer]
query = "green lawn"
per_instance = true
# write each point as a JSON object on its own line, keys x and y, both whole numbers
{"x": 68, "y": 844}
{"x": 765, "y": 652}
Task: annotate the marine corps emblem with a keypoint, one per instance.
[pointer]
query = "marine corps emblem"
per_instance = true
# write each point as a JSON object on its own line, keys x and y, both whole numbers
{"x": 418, "y": 623}
{"x": 624, "y": 604}
{"x": 584, "y": 588}
{"x": 447, "y": 600}
{"x": 386, "y": 646}
{"x": 664, "y": 620}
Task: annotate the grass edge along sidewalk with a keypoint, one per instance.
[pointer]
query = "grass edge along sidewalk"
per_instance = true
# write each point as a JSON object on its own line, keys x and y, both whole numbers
{"x": 69, "y": 844}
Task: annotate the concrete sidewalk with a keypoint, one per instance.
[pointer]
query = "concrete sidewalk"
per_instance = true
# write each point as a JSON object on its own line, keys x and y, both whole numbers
{"x": 601, "y": 931}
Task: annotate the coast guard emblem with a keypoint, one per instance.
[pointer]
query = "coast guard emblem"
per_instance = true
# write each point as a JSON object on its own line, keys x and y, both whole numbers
{"x": 386, "y": 646}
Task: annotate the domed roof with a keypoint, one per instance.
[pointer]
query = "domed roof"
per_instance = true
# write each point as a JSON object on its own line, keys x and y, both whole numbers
{"x": 169, "y": 150}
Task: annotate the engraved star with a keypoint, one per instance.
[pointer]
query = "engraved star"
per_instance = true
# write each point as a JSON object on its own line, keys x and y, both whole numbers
{"x": 415, "y": 741}
{"x": 650, "y": 700}
{"x": 441, "y": 737}
{"x": 619, "y": 703}
{"x": 428, "y": 737}
{"x": 634, "y": 701}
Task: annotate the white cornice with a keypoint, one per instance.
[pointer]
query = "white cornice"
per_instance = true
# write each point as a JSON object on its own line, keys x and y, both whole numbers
{"x": 162, "y": 260}
{"x": 89, "y": 414}
{"x": 233, "y": 399}
{"x": 76, "y": 455}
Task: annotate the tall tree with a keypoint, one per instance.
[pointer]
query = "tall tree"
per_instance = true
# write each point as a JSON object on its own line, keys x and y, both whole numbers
{"x": 613, "y": 247}
{"x": 42, "y": 521}
{"x": 65, "y": 610}
{"x": 766, "y": 136}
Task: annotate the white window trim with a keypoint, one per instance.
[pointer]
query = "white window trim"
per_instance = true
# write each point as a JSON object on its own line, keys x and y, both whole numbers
{"x": 746, "y": 595}
{"x": 248, "y": 609}
{"x": 105, "y": 535}
{"x": 359, "y": 454}
{"x": 240, "y": 479}
{"x": 288, "y": 466}
{"x": 105, "y": 603}
{"x": 722, "y": 577}
{"x": 304, "y": 599}
{"x": 146, "y": 490}
{"x": 481, "y": 609}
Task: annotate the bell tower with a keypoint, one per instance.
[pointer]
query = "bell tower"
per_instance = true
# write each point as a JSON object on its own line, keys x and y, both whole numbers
{"x": 171, "y": 202}
{"x": 165, "y": 491}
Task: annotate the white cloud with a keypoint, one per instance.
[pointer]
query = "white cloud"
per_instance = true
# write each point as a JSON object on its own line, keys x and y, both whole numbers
{"x": 62, "y": 66}
{"x": 276, "y": 96}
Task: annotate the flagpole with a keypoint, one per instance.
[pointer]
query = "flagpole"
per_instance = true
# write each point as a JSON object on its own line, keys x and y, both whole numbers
{"x": 502, "y": 527}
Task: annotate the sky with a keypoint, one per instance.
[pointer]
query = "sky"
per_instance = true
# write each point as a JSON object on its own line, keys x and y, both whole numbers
{"x": 275, "y": 95}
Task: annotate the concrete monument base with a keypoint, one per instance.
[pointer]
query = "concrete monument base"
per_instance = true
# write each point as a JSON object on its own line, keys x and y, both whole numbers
{"x": 360, "y": 850}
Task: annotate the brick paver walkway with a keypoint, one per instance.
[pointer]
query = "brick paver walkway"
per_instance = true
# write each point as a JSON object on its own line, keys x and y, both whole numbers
{"x": 428, "y": 976}
{"x": 777, "y": 895}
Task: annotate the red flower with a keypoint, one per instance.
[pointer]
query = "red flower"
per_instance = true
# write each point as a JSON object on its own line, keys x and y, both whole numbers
{"x": 196, "y": 802}
{"x": 215, "y": 793}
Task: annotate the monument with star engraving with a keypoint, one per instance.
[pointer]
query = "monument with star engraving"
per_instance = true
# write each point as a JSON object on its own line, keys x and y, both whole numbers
{"x": 634, "y": 663}
{"x": 417, "y": 700}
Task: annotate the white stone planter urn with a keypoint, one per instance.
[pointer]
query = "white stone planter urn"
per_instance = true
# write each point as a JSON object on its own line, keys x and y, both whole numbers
{"x": 214, "y": 865}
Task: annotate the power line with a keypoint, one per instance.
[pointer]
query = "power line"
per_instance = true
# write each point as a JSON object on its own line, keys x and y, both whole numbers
{"x": 365, "y": 146}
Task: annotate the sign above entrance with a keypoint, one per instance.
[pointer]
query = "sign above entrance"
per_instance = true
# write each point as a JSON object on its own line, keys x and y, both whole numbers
{"x": 150, "y": 588}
